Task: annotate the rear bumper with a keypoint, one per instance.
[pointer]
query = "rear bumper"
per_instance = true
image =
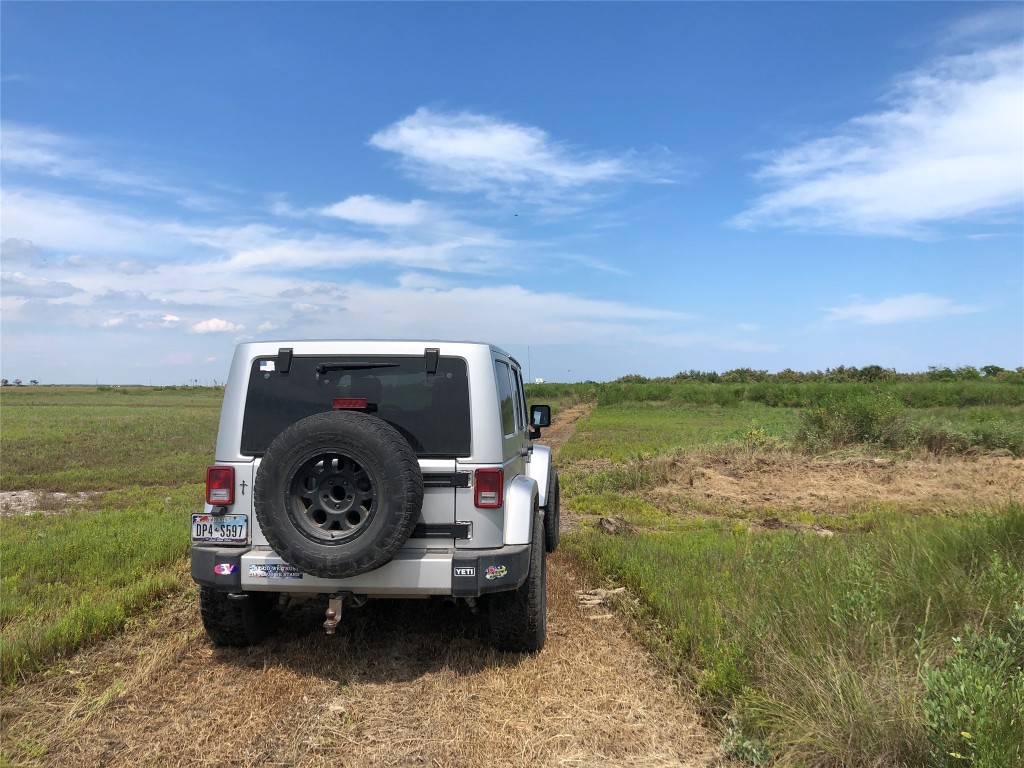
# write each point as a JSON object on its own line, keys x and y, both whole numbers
{"x": 414, "y": 573}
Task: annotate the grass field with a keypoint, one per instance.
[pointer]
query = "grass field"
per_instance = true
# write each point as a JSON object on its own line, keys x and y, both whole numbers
{"x": 837, "y": 569}
{"x": 71, "y": 578}
{"x": 839, "y": 591}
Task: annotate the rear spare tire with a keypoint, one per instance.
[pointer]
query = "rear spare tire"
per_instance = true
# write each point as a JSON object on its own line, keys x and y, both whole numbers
{"x": 338, "y": 493}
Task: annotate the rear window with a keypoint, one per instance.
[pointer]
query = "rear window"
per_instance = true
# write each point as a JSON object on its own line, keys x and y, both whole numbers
{"x": 431, "y": 410}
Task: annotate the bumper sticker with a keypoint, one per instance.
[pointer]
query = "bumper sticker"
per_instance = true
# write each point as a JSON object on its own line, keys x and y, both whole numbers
{"x": 274, "y": 571}
{"x": 466, "y": 571}
{"x": 496, "y": 572}
{"x": 225, "y": 569}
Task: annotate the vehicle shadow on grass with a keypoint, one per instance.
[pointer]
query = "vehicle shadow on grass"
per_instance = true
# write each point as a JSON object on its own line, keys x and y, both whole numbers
{"x": 383, "y": 641}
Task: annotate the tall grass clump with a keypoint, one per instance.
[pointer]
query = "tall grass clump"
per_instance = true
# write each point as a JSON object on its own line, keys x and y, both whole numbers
{"x": 837, "y": 651}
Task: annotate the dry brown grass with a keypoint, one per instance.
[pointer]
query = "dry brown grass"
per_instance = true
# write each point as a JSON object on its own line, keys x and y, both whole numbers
{"x": 403, "y": 683}
{"x": 783, "y": 480}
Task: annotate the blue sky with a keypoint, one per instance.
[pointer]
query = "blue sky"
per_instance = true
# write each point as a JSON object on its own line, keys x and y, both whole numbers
{"x": 601, "y": 189}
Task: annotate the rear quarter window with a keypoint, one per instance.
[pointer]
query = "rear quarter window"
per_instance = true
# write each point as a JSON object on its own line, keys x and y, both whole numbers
{"x": 506, "y": 398}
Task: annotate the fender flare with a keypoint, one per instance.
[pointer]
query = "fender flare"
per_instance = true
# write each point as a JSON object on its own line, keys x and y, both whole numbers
{"x": 540, "y": 470}
{"x": 521, "y": 499}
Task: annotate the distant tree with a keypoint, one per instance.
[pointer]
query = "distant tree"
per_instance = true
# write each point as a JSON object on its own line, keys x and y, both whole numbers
{"x": 33, "y": 381}
{"x": 4, "y": 383}
{"x": 789, "y": 376}
{"x": 967, "y": 372}
{"x": 17, "y": 382}
{"x": 940, "y": 373}
{"x": 744, "y": 376}
{"x": 992, "y": 370}
{"x": 876, "y": 373}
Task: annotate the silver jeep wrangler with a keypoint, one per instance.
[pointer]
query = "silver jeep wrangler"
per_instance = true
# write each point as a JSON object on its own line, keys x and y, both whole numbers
{"x": 363, "y": 469}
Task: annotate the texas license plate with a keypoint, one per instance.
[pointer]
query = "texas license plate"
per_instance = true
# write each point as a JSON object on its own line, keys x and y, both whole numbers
{"x": 234, "y": 528}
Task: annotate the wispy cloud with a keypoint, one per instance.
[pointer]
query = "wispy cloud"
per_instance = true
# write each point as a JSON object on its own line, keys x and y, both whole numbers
{"x": 47, "y": 153}
{"x": 901, "y": 309}
{"x": 471, "y": 152}
{"x": 947, "y": 147}
{"x": 18, "y": 284}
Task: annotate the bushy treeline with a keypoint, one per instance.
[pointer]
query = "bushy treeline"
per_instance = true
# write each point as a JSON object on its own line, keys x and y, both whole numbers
{"x": 782, "y": 394}
{"x": 867, "y": 374}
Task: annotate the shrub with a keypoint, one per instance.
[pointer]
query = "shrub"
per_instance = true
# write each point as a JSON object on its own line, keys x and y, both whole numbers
{"x": 854, "y": 417}
{"x": 973, "y": 705}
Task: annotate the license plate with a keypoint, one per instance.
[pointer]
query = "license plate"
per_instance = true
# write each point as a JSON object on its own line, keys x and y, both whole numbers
{"x": 233, "y": 528}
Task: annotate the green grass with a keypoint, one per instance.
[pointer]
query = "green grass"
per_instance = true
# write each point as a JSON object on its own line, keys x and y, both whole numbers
{"x": 625, "y": 431}
{"x": 94, "y": 439}
{"x": 818, "y": 647}
{"x": 73, "y": 578}
{"x": 877, "y": 417}
{"x": 786, "y": 394}
{"x": 881, "y": 645}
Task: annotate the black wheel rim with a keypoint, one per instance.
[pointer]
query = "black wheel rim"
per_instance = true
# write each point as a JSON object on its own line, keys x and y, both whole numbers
{"x": 331, "y": 497}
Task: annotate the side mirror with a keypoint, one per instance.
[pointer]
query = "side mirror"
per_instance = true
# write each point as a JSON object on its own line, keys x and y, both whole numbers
{"x": 540, "y": 416}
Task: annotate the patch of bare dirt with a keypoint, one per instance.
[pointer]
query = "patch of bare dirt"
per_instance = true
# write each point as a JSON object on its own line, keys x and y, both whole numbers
{"x": 14, "y": 503}
{"x": 402, "y": 683}
{"x": 836, "y": 485}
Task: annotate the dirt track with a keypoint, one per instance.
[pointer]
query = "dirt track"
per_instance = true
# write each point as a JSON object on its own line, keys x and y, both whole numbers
{"x": 403, "y": 683}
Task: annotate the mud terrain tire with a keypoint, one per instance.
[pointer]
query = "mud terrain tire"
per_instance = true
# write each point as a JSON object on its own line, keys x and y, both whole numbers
{"x": 552, "y": 515}
{"x": 238, "y": 620}
{"x": 519, "y": 619}
{"x": 338, "y": 493}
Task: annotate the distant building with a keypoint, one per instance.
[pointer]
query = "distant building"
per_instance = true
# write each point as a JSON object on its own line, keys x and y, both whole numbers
{"x": 538, "y": 381}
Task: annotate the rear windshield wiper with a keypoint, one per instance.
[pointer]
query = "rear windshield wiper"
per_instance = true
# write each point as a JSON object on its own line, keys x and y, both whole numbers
{"x": 341, "y": 366}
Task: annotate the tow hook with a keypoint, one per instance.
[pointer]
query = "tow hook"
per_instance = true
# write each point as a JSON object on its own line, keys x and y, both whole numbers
{"x": 333, "y": 614}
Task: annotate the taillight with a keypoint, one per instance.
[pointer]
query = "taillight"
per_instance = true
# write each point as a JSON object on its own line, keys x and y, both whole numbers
{"x": 220, "y": 485}
{"x": 488, "y": 487}
{"x": 349, "y": 403}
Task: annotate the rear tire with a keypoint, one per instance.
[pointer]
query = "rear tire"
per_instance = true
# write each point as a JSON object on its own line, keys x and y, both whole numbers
{"x": 519, "y": 619}
{"x": 238, "y": 620}
{"x": 553, "y": 515}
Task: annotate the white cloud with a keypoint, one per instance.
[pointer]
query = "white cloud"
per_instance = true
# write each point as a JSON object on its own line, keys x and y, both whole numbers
{"x": 72, "y": 225}
{"x": 18, "y": 284}
{"x": 112, "y": 322}
{"x": 915, "y": 306}
{"x": 948, "y": 147}
{"x": 216, "y": 325}
{"x": 381, "y": 212}
{"x": 469, "y": 152}
{"x": 169, "y": 321}
{"x": 13, "y": 249}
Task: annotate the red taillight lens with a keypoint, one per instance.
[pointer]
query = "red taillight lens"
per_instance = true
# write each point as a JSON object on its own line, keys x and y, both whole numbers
{"x": 220, "y": 485}
{"x": 488, "y": 487}
{"x": 349, "y": 403}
